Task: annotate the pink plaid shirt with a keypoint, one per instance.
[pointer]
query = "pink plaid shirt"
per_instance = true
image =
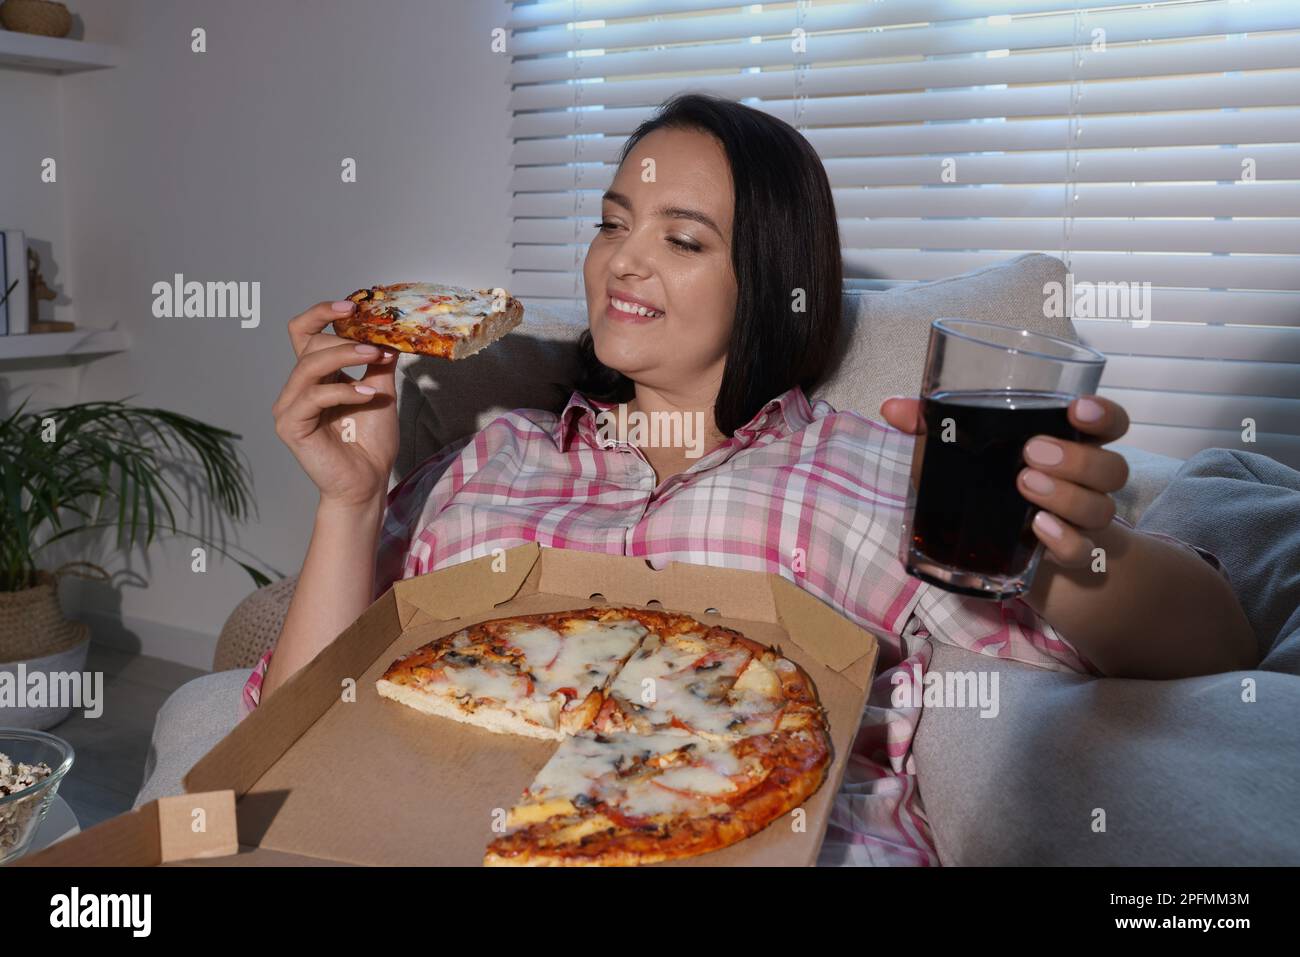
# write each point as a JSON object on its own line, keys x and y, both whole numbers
{"x": 802, "y": 491}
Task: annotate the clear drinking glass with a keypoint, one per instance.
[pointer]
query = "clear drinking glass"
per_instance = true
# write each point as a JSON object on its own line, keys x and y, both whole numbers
{"x": 22, "y": 811}
{"x": 986, "y": 391}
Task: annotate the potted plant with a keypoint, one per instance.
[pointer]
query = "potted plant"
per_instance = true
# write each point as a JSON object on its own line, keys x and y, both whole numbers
{"x": 94, "y": 466}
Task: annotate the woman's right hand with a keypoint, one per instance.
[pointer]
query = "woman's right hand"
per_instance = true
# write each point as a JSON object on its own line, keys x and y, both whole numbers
{"x": 342, "y": 431}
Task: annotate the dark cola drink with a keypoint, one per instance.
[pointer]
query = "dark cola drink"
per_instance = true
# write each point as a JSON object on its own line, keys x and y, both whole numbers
{"x": 969, "y": 515}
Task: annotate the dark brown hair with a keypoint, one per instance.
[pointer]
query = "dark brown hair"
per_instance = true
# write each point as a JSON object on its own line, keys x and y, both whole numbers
{"x": 785, "y": 236}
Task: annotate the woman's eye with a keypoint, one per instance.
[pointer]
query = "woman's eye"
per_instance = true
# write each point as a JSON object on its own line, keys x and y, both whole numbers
{"x": 605, "y": 227}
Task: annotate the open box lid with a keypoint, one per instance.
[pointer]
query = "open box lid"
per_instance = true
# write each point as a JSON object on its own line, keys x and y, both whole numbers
{"x": 182, "y": 827}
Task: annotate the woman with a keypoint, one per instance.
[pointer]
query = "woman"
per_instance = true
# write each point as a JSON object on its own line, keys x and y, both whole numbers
{"x": 717, "y": 215}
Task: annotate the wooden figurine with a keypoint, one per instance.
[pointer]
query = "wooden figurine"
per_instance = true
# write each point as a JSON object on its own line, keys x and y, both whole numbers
{"x": 38, "y": 290}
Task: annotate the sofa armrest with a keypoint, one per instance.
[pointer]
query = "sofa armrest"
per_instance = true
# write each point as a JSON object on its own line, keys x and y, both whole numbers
{"x": 191, "y": 721}
{"x": 1186, "y": 775}
{"x": 1148, "y": 474}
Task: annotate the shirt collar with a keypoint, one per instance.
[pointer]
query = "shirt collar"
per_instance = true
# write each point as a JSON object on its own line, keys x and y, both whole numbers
{"x": 788, "y": 412}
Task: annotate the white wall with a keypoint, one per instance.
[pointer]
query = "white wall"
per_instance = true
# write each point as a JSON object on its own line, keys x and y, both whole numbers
{"x": 225, "y": 166}
{"x": 31, "y": 130}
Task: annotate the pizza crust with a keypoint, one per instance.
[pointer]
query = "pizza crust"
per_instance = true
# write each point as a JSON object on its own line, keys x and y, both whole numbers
{"x": 484, "y": 716}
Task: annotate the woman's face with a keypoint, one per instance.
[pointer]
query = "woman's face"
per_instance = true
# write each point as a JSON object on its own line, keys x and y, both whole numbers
{"x": 666, "y": 243}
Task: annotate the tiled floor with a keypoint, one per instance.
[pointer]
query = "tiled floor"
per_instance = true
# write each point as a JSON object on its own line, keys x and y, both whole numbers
{"x": 111, "y": 749}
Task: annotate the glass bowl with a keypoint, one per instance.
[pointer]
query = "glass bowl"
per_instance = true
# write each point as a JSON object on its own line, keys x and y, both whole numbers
{"x": 22, "y": 811}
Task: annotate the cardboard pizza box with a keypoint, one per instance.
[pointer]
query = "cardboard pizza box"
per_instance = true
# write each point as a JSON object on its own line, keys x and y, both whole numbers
{"x": 182, "y": 828}
{"x": 327, "y": 771}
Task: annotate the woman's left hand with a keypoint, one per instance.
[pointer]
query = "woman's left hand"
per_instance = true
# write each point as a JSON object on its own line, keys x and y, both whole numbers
{"x": 1071, "y": 482}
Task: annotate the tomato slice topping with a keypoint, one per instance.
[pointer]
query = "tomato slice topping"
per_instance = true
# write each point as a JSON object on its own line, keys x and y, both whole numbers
{"x": 689, "y": 794}
{"x": 623, "y": 820}
{"x": 703, "y": 662}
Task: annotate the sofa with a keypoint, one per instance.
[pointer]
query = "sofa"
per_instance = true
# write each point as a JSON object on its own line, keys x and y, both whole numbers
{"x": 1177, "y": 772}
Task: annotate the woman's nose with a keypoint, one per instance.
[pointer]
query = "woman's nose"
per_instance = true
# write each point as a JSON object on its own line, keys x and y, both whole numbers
{"x": 630, "y": 258}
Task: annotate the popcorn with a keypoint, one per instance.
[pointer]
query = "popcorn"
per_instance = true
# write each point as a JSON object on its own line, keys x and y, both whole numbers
{"x": 16, "y": 817}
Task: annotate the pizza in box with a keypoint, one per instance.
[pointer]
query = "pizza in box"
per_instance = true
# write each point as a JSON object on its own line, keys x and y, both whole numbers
{"x": 676, "y": 738}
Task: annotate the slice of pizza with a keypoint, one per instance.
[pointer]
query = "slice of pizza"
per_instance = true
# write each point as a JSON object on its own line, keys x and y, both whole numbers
{"x": 627, "y": 798}
{"x": 711, "y": 681}
{"x": 430, "y": 318}
{"x": 542, "y": 676}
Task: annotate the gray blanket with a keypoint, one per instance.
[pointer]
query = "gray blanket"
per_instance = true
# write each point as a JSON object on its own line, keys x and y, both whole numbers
{"x": 1075, "y": 770}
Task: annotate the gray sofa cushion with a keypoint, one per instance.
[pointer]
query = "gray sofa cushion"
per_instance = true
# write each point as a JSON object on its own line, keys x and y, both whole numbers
{"x": 1148, "y": 474}
{"x": 883, "y": 341}
{"x": 191, "y": 721}
{"x": 1186, "y": 771}
{"x": 882, "y": 348}
{"x": 1245, "y": 508}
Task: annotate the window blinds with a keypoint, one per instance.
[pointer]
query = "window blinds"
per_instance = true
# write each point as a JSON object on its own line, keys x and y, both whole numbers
{"x": 1140, "y": 142}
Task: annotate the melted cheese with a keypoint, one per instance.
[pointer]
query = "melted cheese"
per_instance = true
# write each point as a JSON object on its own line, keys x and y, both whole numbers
{"x": 696, "y": 779}
{"x": 758, "y": 680}
{"x": 538, "y": 644}
{"x": 665, "y": 772}
{"x": 576, "y": 832}
{"x": 757, "y": 698}
{"x": 644, "y": 799}
{"x": 580, "y": 761}
{"x": 581, "y": 659}
{"x": 699, "y": 694}
{"x": 531, "y": 813}
{"x": 450, "y": 310}
{"x": 484, "y": 681}
{"x": 685, "y": 790}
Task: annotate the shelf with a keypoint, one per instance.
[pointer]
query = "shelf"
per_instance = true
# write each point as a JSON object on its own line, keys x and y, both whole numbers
{"x": 23, "y": 51}
{"x": 79, "y": 343}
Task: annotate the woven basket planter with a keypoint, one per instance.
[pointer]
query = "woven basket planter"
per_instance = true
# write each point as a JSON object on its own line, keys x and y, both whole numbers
{"x": 40, "y": 17}
{"x": 32, "y": 623}
{"x": 254, "y": 626}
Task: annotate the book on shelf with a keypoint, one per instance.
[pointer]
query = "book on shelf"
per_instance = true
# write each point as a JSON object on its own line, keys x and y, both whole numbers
{"x": 13, "y": 278}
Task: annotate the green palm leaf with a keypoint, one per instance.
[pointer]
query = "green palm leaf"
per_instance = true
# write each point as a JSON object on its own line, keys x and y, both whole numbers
{"x": 105, "y": 467}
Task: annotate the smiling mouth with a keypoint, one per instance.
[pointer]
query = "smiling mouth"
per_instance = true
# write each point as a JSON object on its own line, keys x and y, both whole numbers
{"x": 630, "y": 309}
